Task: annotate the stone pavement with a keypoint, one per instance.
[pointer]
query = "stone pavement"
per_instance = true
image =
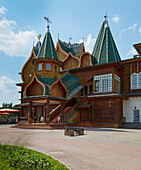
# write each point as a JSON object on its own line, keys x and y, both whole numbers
{"x": 98, "y": 149}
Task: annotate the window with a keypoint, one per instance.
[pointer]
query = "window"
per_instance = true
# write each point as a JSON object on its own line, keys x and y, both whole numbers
{"x": 55, "y": 68}
{"x": 40, "y": 67}
{"x": 105, "y": 112}
{"x": 90, "y": 88}
{"x": 86, "y": 90}
{"x": 134, "y": 79}
{"x": 117, "y": 83}
{"x": 82, "y": 92}
{"x": 139, "y": 80}
{"x": 103, "y": 83}
{"x": 48, "y": 67}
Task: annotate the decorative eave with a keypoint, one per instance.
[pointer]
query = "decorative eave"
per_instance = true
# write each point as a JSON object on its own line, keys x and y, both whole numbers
{"x": 131, "y": 60}
{"x": 70, "y": 55}
{"x": 66, "y": 54}
{"x": 21, "y": 84}
{"x": 43, "y": 98}
{"x": 30, "y": 58}
{"x": 106, "y": 95}
{"x": 85, "y": 53}
{"x": 138, "y": 47}
{"x": 34, "y": 77}
{"x": 59, "y": 79}
{"x": 96, "y": 66}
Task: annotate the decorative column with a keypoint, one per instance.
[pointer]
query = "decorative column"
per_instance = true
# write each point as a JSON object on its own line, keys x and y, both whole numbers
{"x": 62, "y": 112}
{"x": 44, "y": 113}
{"x": 92, "y": 110}
{"x": 47, "y": 111}
{"x": 30, "y": 114}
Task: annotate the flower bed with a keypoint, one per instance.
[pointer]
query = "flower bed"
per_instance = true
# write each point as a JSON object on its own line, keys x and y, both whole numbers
{"x": 14, "y": 157}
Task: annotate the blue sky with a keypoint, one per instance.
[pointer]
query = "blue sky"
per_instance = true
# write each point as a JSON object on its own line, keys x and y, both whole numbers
{"x": 22, "y": 20}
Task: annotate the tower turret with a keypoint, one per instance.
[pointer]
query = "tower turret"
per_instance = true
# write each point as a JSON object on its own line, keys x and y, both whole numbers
{"x": 47, "y": 63}
{"x": 105, "y": 49}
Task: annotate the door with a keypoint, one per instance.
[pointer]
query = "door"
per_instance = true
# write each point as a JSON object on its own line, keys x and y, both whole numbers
{"x": 136, "y": 116}
{"x": 84, "y": 115}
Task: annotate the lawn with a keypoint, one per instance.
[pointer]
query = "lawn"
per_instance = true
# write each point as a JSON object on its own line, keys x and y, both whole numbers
{"x": 14, "y": 157}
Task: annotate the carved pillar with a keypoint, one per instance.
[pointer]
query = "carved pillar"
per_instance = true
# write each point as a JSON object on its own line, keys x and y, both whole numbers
{"x": 44, "y": 113}
{"x": 30, "y": 114}
{"x": 47, "y": 111}
{"x": 92, "y": 110}
{"x": 62, "y": 112}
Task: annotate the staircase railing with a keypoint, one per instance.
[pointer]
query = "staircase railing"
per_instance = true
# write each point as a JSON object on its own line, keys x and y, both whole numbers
{"x": 72, "y": 110}
{"x": 54, "y": 112}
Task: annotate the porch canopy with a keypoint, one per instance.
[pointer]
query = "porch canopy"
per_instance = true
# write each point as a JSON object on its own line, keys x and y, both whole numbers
{"x": 6, "y": 110}
{"x": 4, "y": 114}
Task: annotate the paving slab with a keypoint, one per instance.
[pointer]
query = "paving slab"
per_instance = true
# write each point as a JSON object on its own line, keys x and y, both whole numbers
{"x": 98, "y": 149}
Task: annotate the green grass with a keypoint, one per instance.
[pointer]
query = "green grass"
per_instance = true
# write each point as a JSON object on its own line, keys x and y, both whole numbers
{"x": 14, "y": 157}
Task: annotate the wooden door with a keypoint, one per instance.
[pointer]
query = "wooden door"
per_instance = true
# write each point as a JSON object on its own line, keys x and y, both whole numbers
{"x": 84, "y": 115}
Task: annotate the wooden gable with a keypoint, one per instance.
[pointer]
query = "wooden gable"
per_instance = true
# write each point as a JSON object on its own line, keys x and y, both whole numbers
{"x": 28, "y": 69}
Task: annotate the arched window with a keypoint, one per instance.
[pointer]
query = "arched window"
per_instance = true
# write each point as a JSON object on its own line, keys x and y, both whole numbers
{"x": 55, "y": 68}
{"x": 40, "y": 67}
{"x": 48, "y": 67}
{"x": 139, "y": 80}
{"x": 134, "y": 81}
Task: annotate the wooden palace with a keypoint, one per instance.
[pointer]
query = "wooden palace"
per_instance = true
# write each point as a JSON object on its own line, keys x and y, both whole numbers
{"x": 69, "y": 85}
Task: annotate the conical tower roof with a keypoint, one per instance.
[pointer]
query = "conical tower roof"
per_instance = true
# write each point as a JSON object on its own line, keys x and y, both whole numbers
{"x": 105, "y": 49}
{"x": 47, "y": 49}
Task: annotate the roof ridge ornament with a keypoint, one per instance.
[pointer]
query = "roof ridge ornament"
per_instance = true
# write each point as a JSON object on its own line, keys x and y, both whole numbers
{"x": 106, "y": 17}
{"x": 70, "y": 38}
{"x": 39, "y": 36}
{"x": 48, "y": 21}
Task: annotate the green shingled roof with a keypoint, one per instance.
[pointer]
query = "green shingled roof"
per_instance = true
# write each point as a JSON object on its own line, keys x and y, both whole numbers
{"x": 70, "y": 81}
{"x": 47, "y": 49}
{"x": 47, "y": 82}
{"x": 105, "y": 50}
{"x": 74, "y": 49}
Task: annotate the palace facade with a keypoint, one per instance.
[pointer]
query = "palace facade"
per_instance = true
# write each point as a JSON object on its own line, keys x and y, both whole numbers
{"x": 97, "y": 89}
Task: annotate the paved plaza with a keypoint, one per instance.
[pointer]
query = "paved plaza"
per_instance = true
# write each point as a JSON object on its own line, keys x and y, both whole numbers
{"x": 98, "y": 149}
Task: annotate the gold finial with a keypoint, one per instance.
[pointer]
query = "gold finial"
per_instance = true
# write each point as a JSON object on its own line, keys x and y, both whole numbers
{"x": 39, "y": 36}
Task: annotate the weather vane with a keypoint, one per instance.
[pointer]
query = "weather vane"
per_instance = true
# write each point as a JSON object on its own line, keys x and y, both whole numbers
{"x": 48, "y": 21}
{"x": 105, "y": 17}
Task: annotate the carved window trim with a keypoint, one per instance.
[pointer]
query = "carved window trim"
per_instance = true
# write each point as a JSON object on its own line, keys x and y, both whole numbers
{"x": 40, "y": 67}
{"x": 48, "y": 66}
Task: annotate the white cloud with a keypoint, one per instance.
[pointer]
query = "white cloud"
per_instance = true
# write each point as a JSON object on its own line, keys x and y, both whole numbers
{"x": 8, "y": 90}
{"x": 131, "y": 52}
{"x": 115, "y": 19}
{"x": 132, "y": 28}
{"x": 89, "y": 43}
{"x": 14, "y": 43}
{"x": 140, "y": 31}
{"x": 7, "y": 85}
{"x": 3, "y": 10}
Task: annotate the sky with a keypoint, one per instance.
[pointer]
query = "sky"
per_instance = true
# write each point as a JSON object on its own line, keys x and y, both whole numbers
{"x": 21, "y": 22}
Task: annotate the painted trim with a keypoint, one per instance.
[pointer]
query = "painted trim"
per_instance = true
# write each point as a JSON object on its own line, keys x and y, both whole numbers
{"x": 62, "y": 85}
{"x": 35, "y": 77}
